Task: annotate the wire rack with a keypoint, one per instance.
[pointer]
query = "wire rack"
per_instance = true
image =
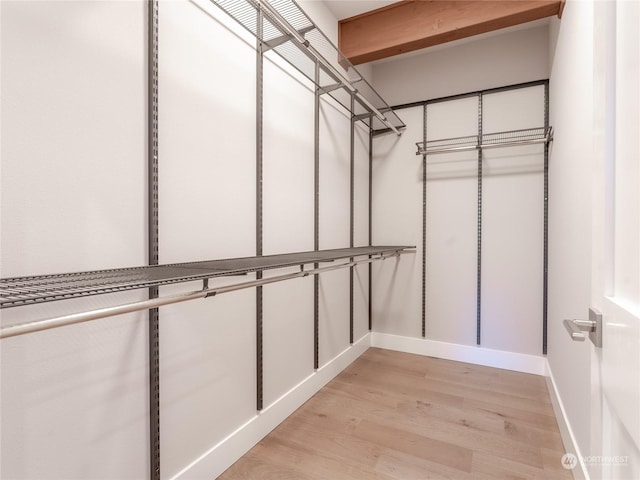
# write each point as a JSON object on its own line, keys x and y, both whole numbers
{"x": 31, "y": 290}
{"x": 297, "y": 53}
{"x": 527, "y": 136}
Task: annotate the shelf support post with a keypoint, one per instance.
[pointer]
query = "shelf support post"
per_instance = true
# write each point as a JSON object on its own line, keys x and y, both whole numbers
{"x": 351, "y": 212}
{"x": 259, "y": 138}
{"x": 479, "y": 252}
{"x": 153, "y": 249}
{"x": 424, "y": 224}
{"x": 316, "y": 216}
{"x": 370, "y": 288}
{"x": 545, "y": 253}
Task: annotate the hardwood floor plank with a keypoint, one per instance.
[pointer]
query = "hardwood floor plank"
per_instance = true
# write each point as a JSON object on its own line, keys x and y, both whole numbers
{"x": 391, "y": 381}
{"x": 414, "y": 444}
{"x": 402, "y": 466}
{"x": 348, "y": 448}
{"x": 306, "y": 462}
{"x": 441, "y": 423}
{"x": 399, "y": 416}
{"x": 486, "y": 394}
{"x": 493, "y": 466}
{"x": 543, "y": 420}
{"x": 435, "y": 418}
{"x": 257, "y": 467}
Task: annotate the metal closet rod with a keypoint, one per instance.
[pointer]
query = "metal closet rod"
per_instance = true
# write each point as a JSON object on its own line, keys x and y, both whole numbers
{"x": 61, "y": 321}
{"x": 288, "y": 29}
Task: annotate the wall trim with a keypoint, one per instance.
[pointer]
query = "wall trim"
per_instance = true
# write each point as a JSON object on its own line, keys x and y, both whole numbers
{"x": 568, "y": 438}
{"x": 226, "y": 452}
{"x": 519, "y": 362}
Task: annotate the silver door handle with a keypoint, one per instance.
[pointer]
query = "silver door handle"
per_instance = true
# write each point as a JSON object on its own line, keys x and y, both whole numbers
{"x": 593, "y": 326}
{"x": 576, "y": 328}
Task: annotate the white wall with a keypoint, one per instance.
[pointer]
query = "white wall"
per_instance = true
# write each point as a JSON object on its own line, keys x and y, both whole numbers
{"x": 594, "y": 109}
{"x": 334, "y": 208}
{"x": 511, "y": 308}
{"x": 207, "y": 210}
{"x": 397, "y": 220}
{"x": 288, "y": 227}
{"x": 334, "y": 228}
{"x": 361, "y": 229}
{"x": 512, "y": 216}
{"x": 513, "y": 226}
{"x": 75, "y": 400}
{"x": 452, "y": 214}
{"x": 504, "y": 59}
{"x": 570, "y": 182}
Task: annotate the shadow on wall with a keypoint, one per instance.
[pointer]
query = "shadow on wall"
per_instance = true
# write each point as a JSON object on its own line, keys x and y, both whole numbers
{"x": 384, "y": 150}
{"x": 494, "y": 163}
{"x": 392, "y": 289}
{"x": 248, "y": 38}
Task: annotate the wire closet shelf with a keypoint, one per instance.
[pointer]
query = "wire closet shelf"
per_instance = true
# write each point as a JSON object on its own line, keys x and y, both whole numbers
{"x": 288, "y": 31}
{"x": 529, "y": 136}
{"x": 32, "y": 290}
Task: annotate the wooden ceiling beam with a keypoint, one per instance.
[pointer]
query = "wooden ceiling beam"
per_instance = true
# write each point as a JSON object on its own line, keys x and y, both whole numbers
{"x": 414, "y": 24}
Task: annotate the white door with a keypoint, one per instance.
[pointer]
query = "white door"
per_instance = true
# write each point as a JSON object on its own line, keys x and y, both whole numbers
{"x": 616, "y": 243}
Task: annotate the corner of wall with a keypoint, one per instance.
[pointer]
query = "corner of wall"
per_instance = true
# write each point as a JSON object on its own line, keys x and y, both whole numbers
{"x": 553, "y": 32}
{"x": 461, "y": 353}
{"x": 221, "y": 456}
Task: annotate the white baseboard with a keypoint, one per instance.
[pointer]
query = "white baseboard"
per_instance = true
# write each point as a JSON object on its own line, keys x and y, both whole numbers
{"x": 568, "y": 438}
{"x": 462, "y": 353}
{"x": 225, "y": 453}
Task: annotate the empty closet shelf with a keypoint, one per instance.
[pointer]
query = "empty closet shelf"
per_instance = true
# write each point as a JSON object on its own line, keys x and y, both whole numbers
{"x": 30, "y": 290}
{"x": 529, "y": 136}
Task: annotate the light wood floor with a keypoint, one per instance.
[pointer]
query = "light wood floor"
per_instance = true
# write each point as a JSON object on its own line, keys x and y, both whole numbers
{"x": 393, "y": 415}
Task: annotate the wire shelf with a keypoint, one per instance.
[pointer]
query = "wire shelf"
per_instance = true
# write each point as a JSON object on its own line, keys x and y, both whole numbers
{"x": 529, "y": 136}
{"x": 307, "y": 45}
{"x": 31, "y": 290}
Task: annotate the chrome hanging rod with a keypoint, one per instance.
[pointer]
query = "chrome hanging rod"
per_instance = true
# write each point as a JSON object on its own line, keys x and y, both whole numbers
{"x": 61, "y": 321}
{"x": 287, "y": 28}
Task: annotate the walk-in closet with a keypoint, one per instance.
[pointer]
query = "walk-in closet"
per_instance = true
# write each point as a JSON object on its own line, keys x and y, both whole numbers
{"x": 319, "y": 239}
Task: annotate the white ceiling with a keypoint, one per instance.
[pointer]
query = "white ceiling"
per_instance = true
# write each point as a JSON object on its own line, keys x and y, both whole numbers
{"x": 349, "y": 8}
